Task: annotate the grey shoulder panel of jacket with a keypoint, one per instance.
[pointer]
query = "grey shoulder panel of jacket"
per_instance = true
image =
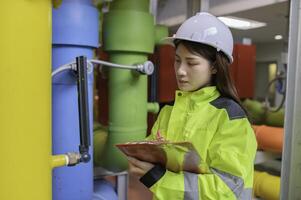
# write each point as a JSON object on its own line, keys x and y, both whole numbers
{"x": 234, "y": 110}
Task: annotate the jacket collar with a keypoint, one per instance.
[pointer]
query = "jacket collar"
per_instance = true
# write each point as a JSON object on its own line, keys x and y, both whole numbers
{"x": 205, "y": 94}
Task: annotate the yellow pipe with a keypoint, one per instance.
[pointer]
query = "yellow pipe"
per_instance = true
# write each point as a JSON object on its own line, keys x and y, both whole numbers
{"x": 59, "y": 161}
{"x": 266, "y": 186}
{"x": 25, "y": 102}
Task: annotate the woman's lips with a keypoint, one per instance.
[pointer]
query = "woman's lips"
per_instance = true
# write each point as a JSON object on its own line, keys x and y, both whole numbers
{"x": 183, "y": 82}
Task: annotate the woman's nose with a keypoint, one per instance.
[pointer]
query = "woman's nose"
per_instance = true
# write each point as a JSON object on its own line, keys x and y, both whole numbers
{"x": 181, "y": 70}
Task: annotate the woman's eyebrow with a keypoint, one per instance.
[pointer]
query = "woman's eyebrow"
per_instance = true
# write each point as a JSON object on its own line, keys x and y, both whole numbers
{"x": 187, "y": 58}
{"x": 191, "y": 58}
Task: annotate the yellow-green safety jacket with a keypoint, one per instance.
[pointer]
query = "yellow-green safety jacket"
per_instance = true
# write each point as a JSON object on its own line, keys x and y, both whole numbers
{"x": 225, "y": 141}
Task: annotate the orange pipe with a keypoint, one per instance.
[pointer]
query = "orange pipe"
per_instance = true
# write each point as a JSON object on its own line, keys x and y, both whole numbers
{"x": 269, "y": 138}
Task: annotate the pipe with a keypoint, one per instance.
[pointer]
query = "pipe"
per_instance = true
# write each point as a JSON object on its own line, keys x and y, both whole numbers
{"x": 127, "y": 109}
{"x": 104, "y": 190}
{"x": 59, "y": 160}
{"x": 99, "y": 140}
{"x": 160, "y": 33}
{"x": 153, "y": 108}
{"x": 129, "y": 36}
{"x": 75, "y": 33}
{"x": 25, "y": 117}
{"x": 144, "y": 68}
{"x": 255, "y": 111}
{"x": 275, "y": 118}
{"x": 260, "y": 115}
{"x": 269, "y": 138}
{"x": 266, "y": 186}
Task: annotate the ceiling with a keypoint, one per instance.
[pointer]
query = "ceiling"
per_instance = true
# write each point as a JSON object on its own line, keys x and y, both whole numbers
{"x": 276, "y": 17}
{"x": 272, "y": 12}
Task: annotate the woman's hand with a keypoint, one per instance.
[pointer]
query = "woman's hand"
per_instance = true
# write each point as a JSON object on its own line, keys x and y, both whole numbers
{"x": 138, "y": 167}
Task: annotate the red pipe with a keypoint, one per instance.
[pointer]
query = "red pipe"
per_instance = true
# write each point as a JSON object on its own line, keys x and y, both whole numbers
{"x": 269, "y": 138}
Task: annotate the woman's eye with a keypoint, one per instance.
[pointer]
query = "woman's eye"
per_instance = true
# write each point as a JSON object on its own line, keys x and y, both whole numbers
{"x": 177, "y": 61}
{"x": 192, "y": 64}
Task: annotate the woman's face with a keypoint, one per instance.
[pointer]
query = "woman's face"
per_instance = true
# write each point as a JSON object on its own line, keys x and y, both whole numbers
{"x": 192, "y": 71}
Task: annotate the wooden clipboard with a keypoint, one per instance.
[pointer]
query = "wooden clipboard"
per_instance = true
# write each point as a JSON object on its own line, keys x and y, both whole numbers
{"x": 165, "y": 153}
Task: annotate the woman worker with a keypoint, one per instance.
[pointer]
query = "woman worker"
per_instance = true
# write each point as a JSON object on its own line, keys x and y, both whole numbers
{"x": 208, "y": 113}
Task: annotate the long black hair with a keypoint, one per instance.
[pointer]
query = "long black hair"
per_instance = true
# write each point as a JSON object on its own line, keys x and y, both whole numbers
{"x": 220, "y": 62}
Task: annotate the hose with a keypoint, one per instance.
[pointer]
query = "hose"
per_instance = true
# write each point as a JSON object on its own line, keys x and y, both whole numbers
{"x": 67, "y": 66}
{"x": 113, "y": 64}
{"x": 280, "y": 79}
{"x": 145, "y": 68}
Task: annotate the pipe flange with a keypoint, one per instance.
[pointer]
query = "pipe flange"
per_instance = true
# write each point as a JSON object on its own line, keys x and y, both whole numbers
{"x": 146, "y": 68}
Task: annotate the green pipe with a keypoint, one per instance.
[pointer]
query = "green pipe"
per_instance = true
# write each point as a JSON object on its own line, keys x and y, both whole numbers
{"x": 275, "y": 118}
{"x": 131, "y": 5}
{"x": 160, "y": 33}
{"x": 127, "y": 107}
{"x": 100, "y": 136}
{"x": 129, "y": 30}
{"x": 260, "y": 115}
{"x": 129, "y": 36}
{"x": 255, "y": 110}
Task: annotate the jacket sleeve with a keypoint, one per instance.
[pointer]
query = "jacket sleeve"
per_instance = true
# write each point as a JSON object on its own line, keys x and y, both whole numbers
{"x": 230, "y": 157}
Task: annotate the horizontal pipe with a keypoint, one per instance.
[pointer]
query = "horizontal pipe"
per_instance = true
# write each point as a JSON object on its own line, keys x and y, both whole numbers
{"x": 269, "y": 138}
{"x": 59, "y": 161}
{"x": 259, "y": 115}
{"x": 266, "y": 186}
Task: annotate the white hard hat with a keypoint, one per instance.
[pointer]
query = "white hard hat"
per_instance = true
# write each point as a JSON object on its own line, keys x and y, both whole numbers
{"x": 206, "y": 29}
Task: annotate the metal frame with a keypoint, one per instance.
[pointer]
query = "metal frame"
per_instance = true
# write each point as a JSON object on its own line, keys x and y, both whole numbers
{"x": 291, "y": 159}
{"x": 122, "y": 186}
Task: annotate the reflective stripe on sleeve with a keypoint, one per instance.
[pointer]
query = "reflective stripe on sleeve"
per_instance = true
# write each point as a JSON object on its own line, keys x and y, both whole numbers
{"x": 191, "y": 186}
{"x": 246, "y": 194}
{"x": 236, "y": 184}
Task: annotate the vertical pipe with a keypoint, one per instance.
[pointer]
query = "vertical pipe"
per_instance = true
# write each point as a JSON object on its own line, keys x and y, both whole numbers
{"x": 204, "y": 5}
{"x": 193, "y": 7}
{"x": 25, "y": 116}
{"x": 129, "y": 35}
{"x": 154, "y": 9}
{"x": 290, "y": 171}
{"x": 75, "y": 33}
{"x": 127, "y": 107}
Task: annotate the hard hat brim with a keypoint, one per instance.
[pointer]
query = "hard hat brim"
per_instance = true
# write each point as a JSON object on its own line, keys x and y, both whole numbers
{"x": 170, "y": 41}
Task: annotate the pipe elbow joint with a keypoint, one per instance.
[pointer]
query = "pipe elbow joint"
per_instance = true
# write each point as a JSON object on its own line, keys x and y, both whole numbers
{"x": 85, "y": 157}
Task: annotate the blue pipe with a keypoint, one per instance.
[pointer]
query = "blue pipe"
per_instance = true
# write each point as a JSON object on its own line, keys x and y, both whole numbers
{"x": 75, "y": 32}
{"x": 104, "y": 190}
